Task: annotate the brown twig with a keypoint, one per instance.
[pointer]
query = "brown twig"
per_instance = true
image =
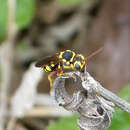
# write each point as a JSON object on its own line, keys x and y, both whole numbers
{"x": 106, "y": 94}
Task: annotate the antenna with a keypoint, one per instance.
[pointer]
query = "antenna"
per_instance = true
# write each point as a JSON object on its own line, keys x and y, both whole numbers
{"x": 94, "y": 53}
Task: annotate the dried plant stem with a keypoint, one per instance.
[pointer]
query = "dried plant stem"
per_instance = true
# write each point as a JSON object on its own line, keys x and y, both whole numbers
{"x": 27, "y": 88}
{"x": 122, "y": 104}
{"x": 6, "y": 65}
{"x": 11, "y": 123}
{"x": 6, "y": 58}
{"x": 95, "y": 109}
{"x": 106, "y": 94}
{"x": 47, "y": 112}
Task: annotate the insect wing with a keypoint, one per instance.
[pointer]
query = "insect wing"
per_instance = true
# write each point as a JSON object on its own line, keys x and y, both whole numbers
{"x": 46, "y": 61}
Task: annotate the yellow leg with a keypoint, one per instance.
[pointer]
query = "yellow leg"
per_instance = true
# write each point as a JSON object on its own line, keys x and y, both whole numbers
{"x": 58, "y": 72}
{"x": 50, "y": 79}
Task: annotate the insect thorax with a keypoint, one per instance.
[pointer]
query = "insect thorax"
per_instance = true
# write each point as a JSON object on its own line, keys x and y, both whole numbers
{"x": 67, "y": 58}
{"x": 67, "y": 55}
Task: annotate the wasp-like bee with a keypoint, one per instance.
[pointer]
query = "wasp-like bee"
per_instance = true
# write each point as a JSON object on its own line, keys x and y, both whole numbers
{"x": 64, "y": 60}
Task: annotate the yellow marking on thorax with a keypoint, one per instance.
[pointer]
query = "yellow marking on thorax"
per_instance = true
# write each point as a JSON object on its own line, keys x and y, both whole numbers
{"x": 60, "y": 55}
{"x": 72, "y": 66}
{"x": 67, "y": 63}
{"x": 66, "y": 67}
{"x": 64, "y": 60}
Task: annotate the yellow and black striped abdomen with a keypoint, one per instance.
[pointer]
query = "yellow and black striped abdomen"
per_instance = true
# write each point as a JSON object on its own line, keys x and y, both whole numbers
{"x": 50, "y": 67}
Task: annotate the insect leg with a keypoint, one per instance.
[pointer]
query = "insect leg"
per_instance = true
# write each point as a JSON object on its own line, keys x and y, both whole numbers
{"x": 59, "y": 69}
{"x": 86, "y": 68}
{"x": 93, "y": 54}
{"x": 59, "y": 72}
{"x": 51, "y": 79}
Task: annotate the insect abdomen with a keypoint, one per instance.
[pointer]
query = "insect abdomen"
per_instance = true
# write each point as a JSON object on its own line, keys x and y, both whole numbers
{"x": 50, "y": 68}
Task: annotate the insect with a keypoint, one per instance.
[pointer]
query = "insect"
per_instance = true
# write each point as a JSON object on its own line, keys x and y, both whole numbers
{"x": 64, "y": 60}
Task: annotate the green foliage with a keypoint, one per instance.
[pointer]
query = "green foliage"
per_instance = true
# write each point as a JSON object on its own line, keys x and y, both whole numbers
{"x": 70, "y": 1}
{"x": 65, "y": 123}
{"x": 23, "y": 45}
{"x": 121, "y": 119}
{"x": 3, "y": 18}
{"x": 25, "y": 10}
